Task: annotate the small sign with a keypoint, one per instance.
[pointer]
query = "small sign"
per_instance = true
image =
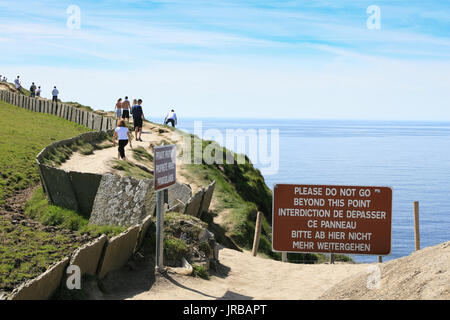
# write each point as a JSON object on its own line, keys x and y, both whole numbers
{"x": 332, "y": 219}
{"x": 164, "y": 166}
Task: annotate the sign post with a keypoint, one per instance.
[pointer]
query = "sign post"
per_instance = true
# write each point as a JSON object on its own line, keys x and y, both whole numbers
{"x": 332, "y": 219}
{"x": 164, "y": 176}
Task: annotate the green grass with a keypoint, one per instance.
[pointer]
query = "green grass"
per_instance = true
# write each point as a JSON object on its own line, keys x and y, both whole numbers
{"x": 131, "y": 169}
{"x": 23, "y": 135}
{"x": 141, "y": 154}
{"x": 25, "y": 252}
{"x": 200, "y": 271}
{"x": 40, "y": 210}
{"x": 174, "y": 249}
{"x": 240, "y": 190}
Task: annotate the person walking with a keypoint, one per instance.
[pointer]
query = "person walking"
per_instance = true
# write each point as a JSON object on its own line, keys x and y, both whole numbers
{"x": 126, "y": 109}
{"x": 55, "y": 93}
{"x": 118, "y": 108}
{"x": 38, "y": 92}
{"x": 171, "y": 117}
{"x": 18, "y": 85}
{"x": 124, "y": 136}
{"x": 138, "y": 117}
{"x": 33, "y": 90}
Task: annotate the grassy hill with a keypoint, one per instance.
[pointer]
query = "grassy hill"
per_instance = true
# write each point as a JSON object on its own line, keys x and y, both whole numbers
{"x": 29, "y": 247}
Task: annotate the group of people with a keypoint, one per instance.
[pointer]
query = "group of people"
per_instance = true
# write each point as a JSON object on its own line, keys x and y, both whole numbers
{"x": 35, "y": 91}
{"x": 123, "y": 110}
{"x": 3, "y": 79}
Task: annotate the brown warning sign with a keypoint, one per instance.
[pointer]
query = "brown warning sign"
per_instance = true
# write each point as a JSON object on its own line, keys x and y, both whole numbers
{"x": 165, "y": 167}
{"x": 332, "y": 219}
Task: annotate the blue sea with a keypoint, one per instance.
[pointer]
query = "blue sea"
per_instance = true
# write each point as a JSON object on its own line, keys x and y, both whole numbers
{"x": 411, "y": 157}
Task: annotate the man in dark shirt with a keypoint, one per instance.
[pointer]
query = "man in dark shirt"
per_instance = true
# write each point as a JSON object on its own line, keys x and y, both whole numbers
{"x": 138, "y": 117}
{"x": 33, "y": 90}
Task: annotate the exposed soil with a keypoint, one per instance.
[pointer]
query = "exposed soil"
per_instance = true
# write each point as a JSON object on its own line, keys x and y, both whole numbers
{"x": 422, "y": 275}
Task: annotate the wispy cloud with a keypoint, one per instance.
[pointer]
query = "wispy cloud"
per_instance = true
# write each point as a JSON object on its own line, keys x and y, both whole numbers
{"x": 312, "y": 38}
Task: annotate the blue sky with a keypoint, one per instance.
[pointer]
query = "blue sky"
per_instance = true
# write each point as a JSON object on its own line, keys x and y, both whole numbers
{"x": 268, "y": 59}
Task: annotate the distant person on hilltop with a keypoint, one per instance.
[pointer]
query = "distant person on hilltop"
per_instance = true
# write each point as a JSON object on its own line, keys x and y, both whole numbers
{"x": 118, "y": 108}
{"x": 124, "y": 135}
{"x": 38, "y": 92}
{"x": 126, "y": 109}
{"x": 33, "y": 90}
{"x": 171, "y": 117}
{"x": 18, "y": 85}
{"x": 55, "y": 93}
{"x": 138, "y": 117}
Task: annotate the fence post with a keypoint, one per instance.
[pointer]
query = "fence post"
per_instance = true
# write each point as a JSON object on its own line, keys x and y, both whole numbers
{"x": 416, "y": 224}
{"x": 257, "y": 234}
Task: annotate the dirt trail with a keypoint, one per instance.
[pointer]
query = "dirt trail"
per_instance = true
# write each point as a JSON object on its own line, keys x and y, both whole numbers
{"x": 100, "y": 160}
{"x": 242, "y": 276}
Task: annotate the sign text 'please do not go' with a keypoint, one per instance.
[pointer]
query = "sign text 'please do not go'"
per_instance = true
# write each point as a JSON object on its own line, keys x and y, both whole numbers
{"x": 332, "y": 219}
{"x": 164, "y": 166}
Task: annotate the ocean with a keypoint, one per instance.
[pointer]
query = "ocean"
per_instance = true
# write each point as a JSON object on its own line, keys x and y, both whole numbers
{"x": 411, "y": 157}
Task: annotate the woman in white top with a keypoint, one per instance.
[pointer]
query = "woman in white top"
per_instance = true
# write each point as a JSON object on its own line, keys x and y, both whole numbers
{"x": 124, "y": 136}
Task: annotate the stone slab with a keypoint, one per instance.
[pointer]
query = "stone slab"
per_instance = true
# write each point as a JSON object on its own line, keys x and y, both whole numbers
{"x": 193, "y": 205}
{"x": 207, "y": 197}
{"x": 44, "y": 286}
{"x": 179, "y": 192}
{"x": 59, "y": 187}
{"x": 118, "y": 251}
{"x": 85, "y": 186}
{"x": 122, "y": 201}
{"x": 87, "y": 257}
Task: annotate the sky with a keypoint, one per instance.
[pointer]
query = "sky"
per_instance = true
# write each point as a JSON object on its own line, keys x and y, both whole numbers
{"x": 312, "y": 59}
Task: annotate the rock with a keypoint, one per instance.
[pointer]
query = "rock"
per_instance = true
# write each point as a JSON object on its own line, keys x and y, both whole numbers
{"x": 122, "y": 201}
{"x": 179, "y": 193}
{"x": 193, "y": 205}
{"x": 205, "y": 235}
{"x": 207, "y": 197}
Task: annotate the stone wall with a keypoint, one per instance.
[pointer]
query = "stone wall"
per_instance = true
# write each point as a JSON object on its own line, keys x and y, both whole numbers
{"x": 96, "y": 258}
{"x": 122, "y": 201}
{"x": 69, "y": 189}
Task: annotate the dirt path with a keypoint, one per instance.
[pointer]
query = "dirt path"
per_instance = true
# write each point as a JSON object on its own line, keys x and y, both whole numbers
{"x": 242, "y": 276}
{"x": 100, "y": 160}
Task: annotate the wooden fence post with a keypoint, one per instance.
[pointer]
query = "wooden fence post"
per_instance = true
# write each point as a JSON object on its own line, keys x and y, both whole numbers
{"x": 257, "y": 234}
{"x": 416, "y": 224}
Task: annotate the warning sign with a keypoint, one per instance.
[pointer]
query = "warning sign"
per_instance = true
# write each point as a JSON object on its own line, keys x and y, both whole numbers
{"x": 332, "y": 219}
{"x": 165, "y": 166}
